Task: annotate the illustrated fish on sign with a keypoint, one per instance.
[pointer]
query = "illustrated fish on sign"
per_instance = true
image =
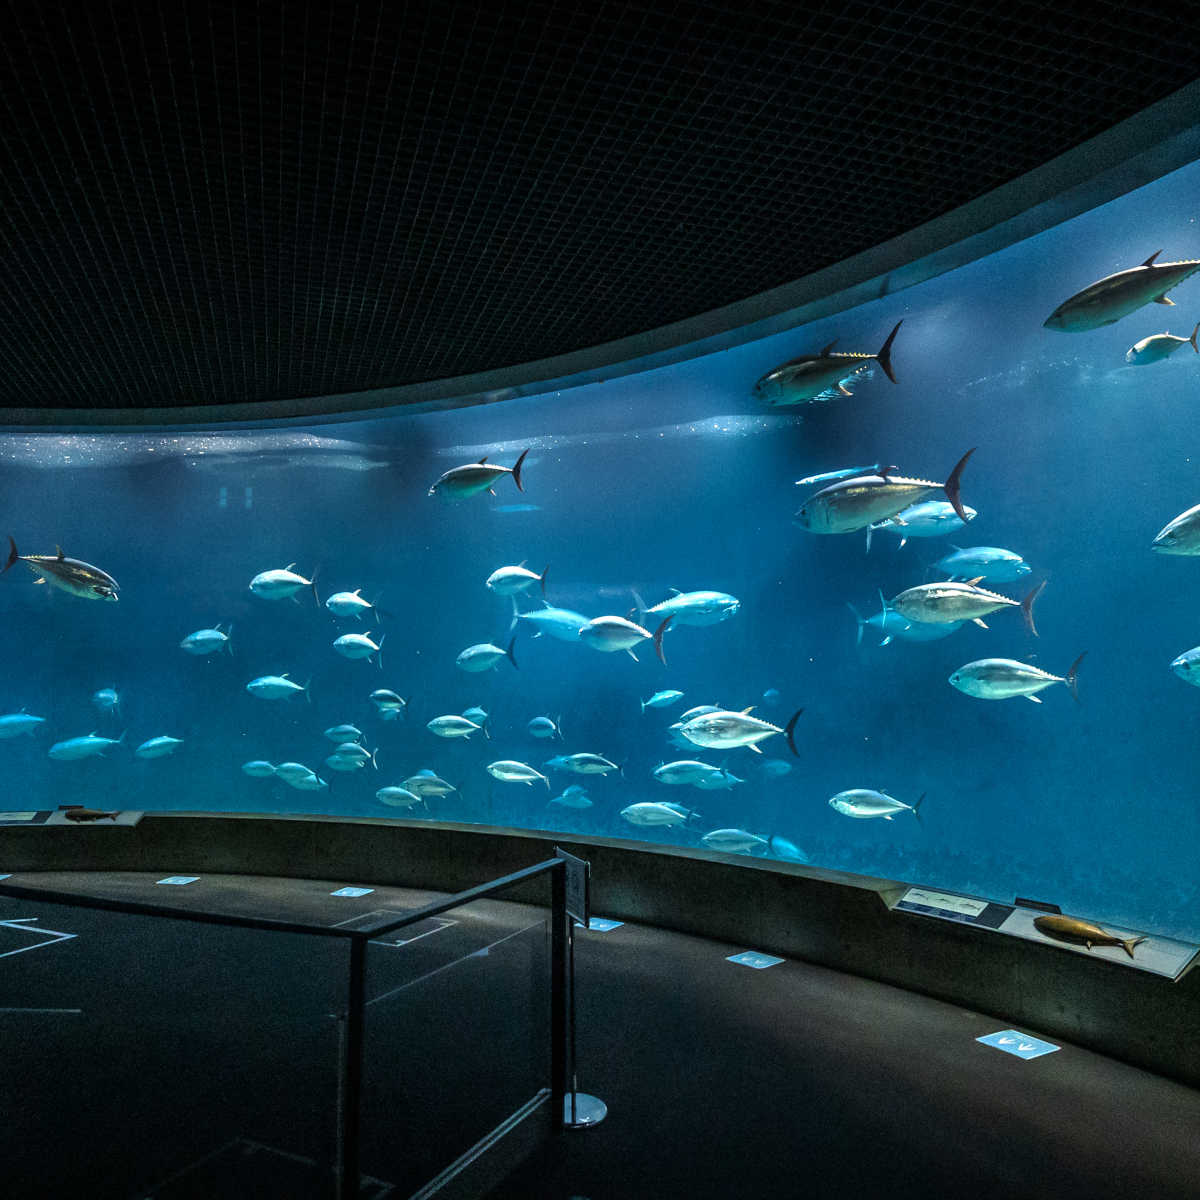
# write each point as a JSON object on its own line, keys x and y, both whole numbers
{"x": 853, "y": 504}
{"x": 460, "y": 482}
{"x": 67, "y": 574}
{"x": 1004, "y": 678}
{"x": 1082, "y": 933}
{"x": 1180, "y": 536}
{"x": 813, "y": 376}
{"x": 1158, "y": 346}
{"x": 1115, "y": 296}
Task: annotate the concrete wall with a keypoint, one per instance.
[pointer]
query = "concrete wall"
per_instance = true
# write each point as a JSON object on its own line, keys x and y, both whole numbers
{"x": 837, "y": 920}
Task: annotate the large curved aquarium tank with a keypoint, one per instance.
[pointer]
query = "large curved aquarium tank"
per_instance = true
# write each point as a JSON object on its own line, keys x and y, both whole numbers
{"x": 501, "y": 654}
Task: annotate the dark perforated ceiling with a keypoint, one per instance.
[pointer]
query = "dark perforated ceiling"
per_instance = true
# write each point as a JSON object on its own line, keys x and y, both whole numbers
{"x": 233, "y": 203}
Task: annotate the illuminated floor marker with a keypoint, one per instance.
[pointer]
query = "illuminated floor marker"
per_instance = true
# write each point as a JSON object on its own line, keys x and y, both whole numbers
{"x": 750, "y": 958}
{"x": 180, "y": 880}
{"x": 22, "y": 925}
{"x": 352, "y": 891}
{"x": 1011, "y": 1041}
{"x": 600, "y": 925}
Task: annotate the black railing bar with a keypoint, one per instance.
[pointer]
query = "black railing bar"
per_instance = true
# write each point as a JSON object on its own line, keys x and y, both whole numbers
{"x": 458, "y": 899}
{"x": 140, "y": 908}
{"x": 446, "y": 966}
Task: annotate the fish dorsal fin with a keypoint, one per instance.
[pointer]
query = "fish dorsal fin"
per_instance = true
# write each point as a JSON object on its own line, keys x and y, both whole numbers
{"x": 1150, "y": 261}
{"x": 826, "y": 349}
{"x": 58, "y": 553}
{"x": 522, "y": 562}
{"x": 747, "y": 711}
{"x": 93, "y": 734}
{"x": 284, "y": 675}
{"x": 675, "y": 591}
{"x": 976, "y": 581}
{"x": 356, "y": 591}
{"x": 289, "y": 566}
{"x": 482, "y": 461}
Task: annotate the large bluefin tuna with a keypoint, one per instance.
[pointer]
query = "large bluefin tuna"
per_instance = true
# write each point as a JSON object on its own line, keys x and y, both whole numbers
{"x": 611, "y": 634}
{"x": 929, "y": 518}
{"x": 820, "y": 375}
{"x": 691, "y": 608}
{"x": 725, "y": 730}
{"x": 559, "y": 623}
{"x": 88, "y": 746}
{"x": 282, "y": 583}
{"x": 853, "y": 504}
{"x": 992, "y": 564}
{"x": 67, "y": 574}
{"x": 473, "y": 478}
{"x": 484, "y": 656}
{"x": 1115, "y": 296}
{"x": 733, "y": 841}
{"x": 1180, "y": 536}
{"x": 865, "y": 803}
{"x": 208, "y": 641}
{"x": 1004, "y": 678}
{"x": 508, "y": 770}
{"x": 649, "y": 815}
{"x": 940, "y": 603}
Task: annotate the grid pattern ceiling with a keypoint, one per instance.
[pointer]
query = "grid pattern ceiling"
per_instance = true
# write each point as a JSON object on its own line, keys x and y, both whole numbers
{"x": 239, "y": 202}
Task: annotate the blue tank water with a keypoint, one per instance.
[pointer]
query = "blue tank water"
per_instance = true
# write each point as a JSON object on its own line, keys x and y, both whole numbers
{"x": 678, "y": 478}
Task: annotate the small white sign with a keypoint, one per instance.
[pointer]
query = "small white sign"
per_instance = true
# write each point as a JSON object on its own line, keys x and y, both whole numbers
{"x": 352, "y": 891}
{"x": 16, "y": 816}
{"x": 599, "y": 925}
{"x": 945, "y": 901}
{"x": 751, "y": 958}
{"x": 180, "y": 880}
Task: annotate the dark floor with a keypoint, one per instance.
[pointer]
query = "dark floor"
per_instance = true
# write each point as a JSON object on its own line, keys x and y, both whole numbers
{"x": 722, "y": 1081}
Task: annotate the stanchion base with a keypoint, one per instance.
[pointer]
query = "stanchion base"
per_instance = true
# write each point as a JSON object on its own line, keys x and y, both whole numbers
{"x": 589, "y": 1111}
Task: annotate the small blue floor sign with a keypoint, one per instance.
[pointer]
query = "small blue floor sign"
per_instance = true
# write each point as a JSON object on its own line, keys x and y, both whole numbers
{"x": 751, "y": 958}
{"x": 1021, "y": 1044}
{"x": 352, "y": 891}
{"x": 180, "y": 880}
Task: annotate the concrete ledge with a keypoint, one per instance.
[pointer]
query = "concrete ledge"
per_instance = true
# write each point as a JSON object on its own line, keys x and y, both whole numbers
{"x": 838, "y": 920}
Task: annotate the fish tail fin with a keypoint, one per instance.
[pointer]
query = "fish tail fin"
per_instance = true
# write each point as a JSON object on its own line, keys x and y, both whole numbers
{"x": 1127, "y": 944}
{"x": 870, "y": 529}
{"x": 313, "y": 584}
{"x": 1027, "y": 607}
{"x": 917, "y": 807}
{"x": 379, "y": 653}
{"x": 512, "y": 658}
{"x": 558, "y": 728}
{"x": 121, "y": 739}
{"x": 642, "y": 703}
{"x": 789, "y": 730}
{"x": 304, "y": 689}
{"x": 953, "y": 483}
{"x": 857, "y": 616}
{"x": 1073, "y": 677}
{"x": 658, "y": 637}
{"x": 373, "y": 762}
{"x": 484, "y": 730}
{"x": 512, "y": 625}
{"x": 542, "y": 580}
{"x": 1192, "y": 339}
{"x": 516, "y": 471}
{"x": 641, "y": 605}
{"x": 229, "y": 640}
{"x": 884, "y": 357}
{"x": 12, "y": 553}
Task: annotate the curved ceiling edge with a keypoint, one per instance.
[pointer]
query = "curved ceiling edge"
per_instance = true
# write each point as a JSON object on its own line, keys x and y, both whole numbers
{"x": 1137, "y": 151}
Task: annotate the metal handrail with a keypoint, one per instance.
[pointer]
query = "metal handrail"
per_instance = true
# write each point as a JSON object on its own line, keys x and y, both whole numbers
{"x": 350, "y": 1110}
